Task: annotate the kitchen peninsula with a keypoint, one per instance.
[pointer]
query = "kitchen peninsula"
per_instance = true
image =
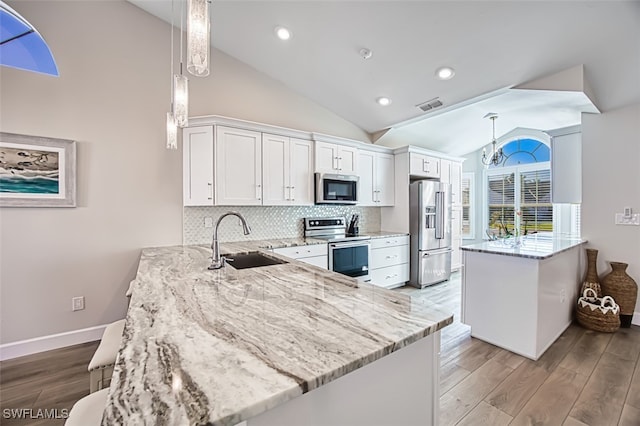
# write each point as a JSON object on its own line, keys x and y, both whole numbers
{"x": 521, "y": 298}
{"x": 282, "y": 344}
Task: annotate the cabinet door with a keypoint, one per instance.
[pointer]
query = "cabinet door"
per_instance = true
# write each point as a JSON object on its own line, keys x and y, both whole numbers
{"x": 456, "y": 237}
{"x": 197, "y": 155}
{"x": 384, "y": 179}
{"x": 301, "y": 172}
{"x": 238, "y": 167}
{"x": 566, "y": 168}
{"x": 275, "y": 170}
{"x": 347, "y": 160}
{"x": 424, "y": 166}
{"x": 366, "y": 165}
{"x": 326, "y": 158}
{"x": 456, "y": 183}
{"x": 445, "y": 169}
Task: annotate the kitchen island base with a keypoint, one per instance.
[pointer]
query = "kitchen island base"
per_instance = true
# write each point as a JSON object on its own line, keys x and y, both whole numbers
{"x": 522, "y": 304}
{"x": 399, "y": 389}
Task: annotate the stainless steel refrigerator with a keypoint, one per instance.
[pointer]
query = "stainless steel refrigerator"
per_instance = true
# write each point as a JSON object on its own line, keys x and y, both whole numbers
{"x": 430, "y": 227}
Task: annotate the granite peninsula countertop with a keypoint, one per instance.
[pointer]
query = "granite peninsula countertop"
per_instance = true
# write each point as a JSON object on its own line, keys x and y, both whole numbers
{"x": 219, "y": 347}
{"x": 532, "y": 247}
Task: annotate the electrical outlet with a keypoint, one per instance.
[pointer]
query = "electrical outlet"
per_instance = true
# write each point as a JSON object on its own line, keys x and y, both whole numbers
{"x": 563, "y": 295}
{"x": 632, "y": 219}
{"x": 77, "y": 303}
{"x": 208, "y": 222}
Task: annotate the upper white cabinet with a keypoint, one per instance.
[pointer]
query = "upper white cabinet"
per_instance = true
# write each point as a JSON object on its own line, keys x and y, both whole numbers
{"x": 566, "y": 165}
{"x": 445, "y": 170}
{"x": 197, "y": 156}
{"x": 335, "y": 158}
{"x": 376, "y": 186}
{"x": 424, "y": 165}
{"x": 238, "y": 171}
{"x": 287, "y": 171}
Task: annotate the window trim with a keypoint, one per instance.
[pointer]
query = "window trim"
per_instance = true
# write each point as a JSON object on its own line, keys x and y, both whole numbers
{"x": 471, "y": 176}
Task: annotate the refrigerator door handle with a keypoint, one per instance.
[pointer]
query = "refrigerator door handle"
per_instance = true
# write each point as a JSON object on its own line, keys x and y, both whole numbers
{"x": 439, "y": 215}
{"x": 436, "y": 252}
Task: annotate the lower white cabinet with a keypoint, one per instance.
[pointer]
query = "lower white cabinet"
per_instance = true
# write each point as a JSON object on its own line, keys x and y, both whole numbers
{"x": 456, "y": 237}
{"x": 315, "y": 254}
{"x": 389, "y": 266}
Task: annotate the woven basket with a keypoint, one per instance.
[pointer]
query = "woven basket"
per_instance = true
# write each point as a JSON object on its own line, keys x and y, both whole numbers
{"x": 598, "y": 314}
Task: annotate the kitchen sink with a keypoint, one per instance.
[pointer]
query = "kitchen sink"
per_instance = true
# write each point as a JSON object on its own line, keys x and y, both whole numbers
{"x": 251, "y": 260}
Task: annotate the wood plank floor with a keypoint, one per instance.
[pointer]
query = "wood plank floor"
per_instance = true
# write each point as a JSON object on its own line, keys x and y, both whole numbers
{"x": 584, "y": 378}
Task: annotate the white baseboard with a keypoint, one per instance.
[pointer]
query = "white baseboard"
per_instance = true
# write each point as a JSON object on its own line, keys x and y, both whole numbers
{"x": 636, "y": 318}
{"x": 53, "y": 341}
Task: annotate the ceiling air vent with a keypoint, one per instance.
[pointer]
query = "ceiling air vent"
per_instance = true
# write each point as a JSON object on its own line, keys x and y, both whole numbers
{"x": 430, "y": 104}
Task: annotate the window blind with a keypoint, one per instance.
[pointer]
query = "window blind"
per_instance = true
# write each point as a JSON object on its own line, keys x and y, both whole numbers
{"x": 466, "y": 206}
{"x": 535, "y": 201}
{"x": 501, "y": 203}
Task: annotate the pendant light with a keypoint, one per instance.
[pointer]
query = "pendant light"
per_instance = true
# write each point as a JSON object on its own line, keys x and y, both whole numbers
{"x": 198, "y": 37}
{"x": 496, "y": 154}
{"x": 172, "y": 128}
{"x": 181, "y": 88}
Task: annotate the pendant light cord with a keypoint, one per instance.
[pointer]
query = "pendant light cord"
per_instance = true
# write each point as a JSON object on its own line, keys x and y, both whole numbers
{"x": 171, "y": 59}
{"x": 181, "y": 32}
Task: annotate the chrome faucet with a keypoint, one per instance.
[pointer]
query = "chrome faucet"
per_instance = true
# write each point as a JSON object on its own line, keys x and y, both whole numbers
{"x": 217, "y": 261}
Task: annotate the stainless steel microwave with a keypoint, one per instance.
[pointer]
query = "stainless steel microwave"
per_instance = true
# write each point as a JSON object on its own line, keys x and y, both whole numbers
{"x": 336, "y": 189}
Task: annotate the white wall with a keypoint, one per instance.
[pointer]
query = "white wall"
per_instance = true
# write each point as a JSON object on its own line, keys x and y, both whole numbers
{"x": 112, "y": 96}
{"x": 611, "y": 181}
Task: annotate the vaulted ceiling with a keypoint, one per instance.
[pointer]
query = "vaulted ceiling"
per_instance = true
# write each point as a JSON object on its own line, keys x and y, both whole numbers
{"x": 492, "y": 45}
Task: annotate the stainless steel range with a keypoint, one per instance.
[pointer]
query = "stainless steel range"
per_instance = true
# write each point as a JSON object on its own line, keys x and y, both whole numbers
{"x": 348, "y": 254}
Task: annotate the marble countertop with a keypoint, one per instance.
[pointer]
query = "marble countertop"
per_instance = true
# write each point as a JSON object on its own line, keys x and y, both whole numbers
{"x": 301, "y": 241}
{"x": 219, "y": 347}
{"x": 531, "y": 247}
{"x": 384, "y": 234}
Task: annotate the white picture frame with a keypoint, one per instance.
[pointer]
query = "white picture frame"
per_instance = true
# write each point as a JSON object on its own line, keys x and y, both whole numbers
{"x": 37, "y": 171}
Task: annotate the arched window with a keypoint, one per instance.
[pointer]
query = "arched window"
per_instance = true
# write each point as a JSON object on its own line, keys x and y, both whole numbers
{"x": 518, "y": 190}
{"x": 524, "y": 151}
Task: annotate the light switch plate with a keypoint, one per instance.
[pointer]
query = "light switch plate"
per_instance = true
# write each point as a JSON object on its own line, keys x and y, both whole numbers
{"x": 208, "y": 222}
{"x": 633, "y": 219}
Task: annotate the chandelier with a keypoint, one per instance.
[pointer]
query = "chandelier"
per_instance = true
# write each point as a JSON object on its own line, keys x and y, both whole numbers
{"x": 496, "y": 154}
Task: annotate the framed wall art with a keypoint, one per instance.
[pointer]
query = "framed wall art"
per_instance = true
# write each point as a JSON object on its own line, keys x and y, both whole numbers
{"x": 37, "y": 171}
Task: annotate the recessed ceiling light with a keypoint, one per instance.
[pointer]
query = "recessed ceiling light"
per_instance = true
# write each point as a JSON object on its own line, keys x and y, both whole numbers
{"x": 283, "y": 33}
{"x": 383, "y": 101}
{"x": 445, "y": 73}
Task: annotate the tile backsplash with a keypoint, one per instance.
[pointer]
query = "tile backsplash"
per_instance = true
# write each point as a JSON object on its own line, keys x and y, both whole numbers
{"x": 267, "y": 221}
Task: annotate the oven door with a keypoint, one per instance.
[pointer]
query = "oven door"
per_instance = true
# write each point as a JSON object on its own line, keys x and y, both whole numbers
{"x": 351, "y": 258}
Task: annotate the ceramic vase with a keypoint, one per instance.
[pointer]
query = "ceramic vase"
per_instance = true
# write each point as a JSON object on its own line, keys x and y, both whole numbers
{"x": 591, "y": 280}
{"x": 623, "y": 289}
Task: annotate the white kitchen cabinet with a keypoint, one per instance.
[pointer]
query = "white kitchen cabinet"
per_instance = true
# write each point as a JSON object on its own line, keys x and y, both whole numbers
{"x": 287, "y": 171}
{"x": 197, "y": 156}
{"x": 335, "y": 158}
{"x": 445, "y": 171}
{"x": 456, "y": 237}
{"x": 316, "y": 254}
{"x": 455, "y": 179}
{"x": 376, "y": 185}
{"x": 566, "y": 165}
{"x": 424, "y": 165}
{"x": 389, "y": 266}
{"x": 238, "y": 171}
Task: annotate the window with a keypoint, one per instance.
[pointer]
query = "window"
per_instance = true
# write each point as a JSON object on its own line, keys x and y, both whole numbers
{"x": 467, "y": 205}
{"x": 518, "y": 191}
